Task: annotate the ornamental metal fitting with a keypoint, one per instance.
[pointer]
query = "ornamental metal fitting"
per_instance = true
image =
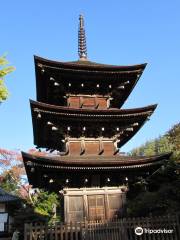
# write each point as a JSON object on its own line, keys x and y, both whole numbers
{"x": 82, "y": 48}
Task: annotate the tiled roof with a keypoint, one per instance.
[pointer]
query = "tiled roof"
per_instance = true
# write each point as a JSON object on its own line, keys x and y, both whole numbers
{"x": 6, "y": 197}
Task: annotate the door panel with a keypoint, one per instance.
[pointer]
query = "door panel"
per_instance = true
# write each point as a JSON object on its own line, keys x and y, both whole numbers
{"x": 115, "y": 205}
{"x": 76, "y": 208}
{"x": 96, "y": 207}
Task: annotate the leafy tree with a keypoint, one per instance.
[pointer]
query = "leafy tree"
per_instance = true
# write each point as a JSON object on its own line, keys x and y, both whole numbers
{"x": 173, "y": 136}
{"x": 9, "y": 182}
{"x": 11, "y": 170}
{"x": 39, "y": 203}
{"x": 4, "y": 70}
{"x": 159, "y": 193}
{"x": 45, "y": 204}
{"x": 159, "y": 145}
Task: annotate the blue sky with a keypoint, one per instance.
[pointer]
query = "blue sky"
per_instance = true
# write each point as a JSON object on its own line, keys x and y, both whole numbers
{"x": 118, "y": 32}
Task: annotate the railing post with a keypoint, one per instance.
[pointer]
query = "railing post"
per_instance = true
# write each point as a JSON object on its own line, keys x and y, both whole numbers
{"x": 81, "y": 231}
{"x": 178, "y": 226}
{"x": 85, "y": 234}
{"x": 61, "y": 231}
{"x": 71, "y": 231}
{"x": 46, "y": 231}
{"x": 76, "y": 231}
{"x": 25, "y": 231}
{"x": 30, "y": 232}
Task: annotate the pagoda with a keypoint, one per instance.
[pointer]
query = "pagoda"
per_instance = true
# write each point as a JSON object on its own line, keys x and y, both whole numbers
{"x": 78, "y": 119}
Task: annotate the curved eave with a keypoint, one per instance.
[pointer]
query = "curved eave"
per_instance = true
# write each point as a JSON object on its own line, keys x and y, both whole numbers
{"x": 61, "y": 115}
{"x": 82, "y": 112}
{"x": 91, "y": 163}
{"x": 85, "y": 71}
{"x": 86, "y": 65}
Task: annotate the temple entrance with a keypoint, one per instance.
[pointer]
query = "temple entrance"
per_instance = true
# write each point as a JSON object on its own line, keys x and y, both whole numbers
{"x": 94, "y": 204}
{"x": 96, "y": 207}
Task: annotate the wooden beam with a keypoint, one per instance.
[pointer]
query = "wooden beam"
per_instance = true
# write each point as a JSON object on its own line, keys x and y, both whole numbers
{"x": 82, "y": 147}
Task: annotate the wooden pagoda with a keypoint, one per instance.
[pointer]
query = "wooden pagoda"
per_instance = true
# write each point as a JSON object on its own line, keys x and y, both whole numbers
{"x": 77, "y": 118}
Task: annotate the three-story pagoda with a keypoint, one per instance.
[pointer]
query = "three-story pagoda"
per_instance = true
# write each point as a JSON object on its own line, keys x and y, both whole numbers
{"x": 78, "y": 120}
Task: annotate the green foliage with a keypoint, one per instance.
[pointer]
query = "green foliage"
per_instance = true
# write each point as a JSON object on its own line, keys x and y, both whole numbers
{"x": 164, "y": 201}
{"x": 169, "y": 142}
{"x": 157, "y": 146}
{"x": 159, "y": 193}
{"x": 44, "y": 202}
{"x": 173, "y": 136}
{"x": 4, "y": 70}
{"x": 162, "y": 195}
{"x": 9, "y": 182}
{"x": 40, "y": 203}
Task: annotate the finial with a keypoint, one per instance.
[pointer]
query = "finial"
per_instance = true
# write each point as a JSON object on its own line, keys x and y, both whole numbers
{"x": 82, "y": 49}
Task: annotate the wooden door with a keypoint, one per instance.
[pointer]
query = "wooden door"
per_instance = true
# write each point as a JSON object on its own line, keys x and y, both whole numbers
{"x": 115, "y": 205}
{"x": 96, "y": 207}
{"x": 76, "y": 209}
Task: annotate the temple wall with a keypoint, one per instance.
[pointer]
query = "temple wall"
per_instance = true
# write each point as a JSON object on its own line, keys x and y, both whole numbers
{"x": 88, "y": 102}
{"x": 93, "y": 147}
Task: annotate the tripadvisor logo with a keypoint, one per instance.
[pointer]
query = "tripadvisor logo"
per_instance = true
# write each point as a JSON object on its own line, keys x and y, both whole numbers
{"x": 139, "y": 231}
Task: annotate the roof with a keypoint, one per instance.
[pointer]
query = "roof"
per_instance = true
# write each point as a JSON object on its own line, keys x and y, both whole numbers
{"x": 86, "y": 64}
{"x": 92, "y": 162}
{"x": 37, "y": 167}
{"x": 129, "y": 121}
{"x": 6, "y": 197}
{"x": 55, "y": 165}
{"x": 122, "y": 79}
{"x": 82, "y": 112}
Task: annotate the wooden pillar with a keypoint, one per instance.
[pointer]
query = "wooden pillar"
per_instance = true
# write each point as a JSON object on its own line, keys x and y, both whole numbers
{"x": 108, "y": 102}
{"x": 66, "y": 208}
{"x": 101, "y": 146}
{"x": 106, "y": 199}
{"x": 116, "y": 150}
{"x": 68, "y": 102}
{"x": 82, "y": 147}
{"x": 81, "y": 102}
{"x": 67, "y": 147}
{"x": 96, "y": 104}
{"x": 86, "y": 215}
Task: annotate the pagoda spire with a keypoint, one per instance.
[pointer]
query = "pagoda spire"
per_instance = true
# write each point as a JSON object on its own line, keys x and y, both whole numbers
{"x": 82, "y": 48}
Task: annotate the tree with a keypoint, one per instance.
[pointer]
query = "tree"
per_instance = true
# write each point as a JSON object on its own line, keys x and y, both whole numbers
{"x": 45, "y": 204}
{"x": 161, "y": 196}
{"x": 173, "y": 136}
{"x": 158, "y": 145}
{"x": 39, "y": 202}
{"x": 159, "y": 193}
{"x": 11, "y": 170}
{"x": 4, "y": 70}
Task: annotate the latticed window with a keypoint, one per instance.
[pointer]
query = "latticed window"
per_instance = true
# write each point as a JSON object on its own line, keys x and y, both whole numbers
{"x": 96, "y": 207}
